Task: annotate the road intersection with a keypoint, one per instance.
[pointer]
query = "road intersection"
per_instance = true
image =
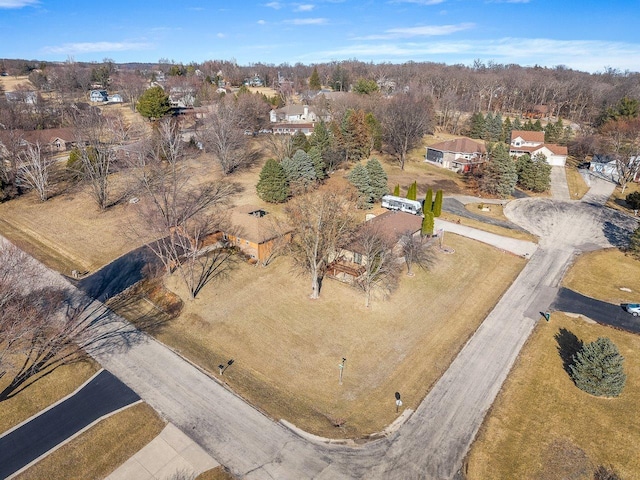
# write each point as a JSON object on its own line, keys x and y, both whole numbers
{"x": 433, "y": 443}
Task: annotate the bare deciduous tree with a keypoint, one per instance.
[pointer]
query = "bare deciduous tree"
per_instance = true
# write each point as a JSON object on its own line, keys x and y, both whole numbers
{"x": 222, "y": 135}
{"x": 181, "y": 216}
{"x": 405, "y": 120}
{"x": 381, "y": 267}
{"x": 33, "y": 170}
{"x": 416, "y": 251}
{"x": 622, "y": 141}
{"x": 322, "y": 223}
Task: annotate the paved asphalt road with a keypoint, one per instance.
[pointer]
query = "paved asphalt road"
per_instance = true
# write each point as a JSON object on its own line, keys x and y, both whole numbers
{"x": 455, "y": 206}
{"x": 433, "y": 443}
{"x": 602, "y": 312}
{"x": 101, "y": 395}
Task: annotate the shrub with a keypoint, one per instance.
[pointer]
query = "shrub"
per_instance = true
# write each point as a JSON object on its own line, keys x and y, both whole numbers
{"x": 598, "y": 369}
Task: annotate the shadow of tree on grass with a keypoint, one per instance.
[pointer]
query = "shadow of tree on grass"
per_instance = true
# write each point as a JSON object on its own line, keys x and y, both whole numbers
{"x": 568, "y": 346}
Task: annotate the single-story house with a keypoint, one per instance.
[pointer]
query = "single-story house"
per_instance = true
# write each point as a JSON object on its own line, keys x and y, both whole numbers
{"x": 51, "y": 139}
{"x": 460, "y": 155}
{"x": 392, "y": 225}
{"x": 607, "y": 166}
{"x": 115, "y": 98}
{"x": 98, "y": 96}
{"x": 253, "y": 233}
{"x": 523, "y": 142}
{"x": 293, "y": 113}
{"x": 292, "y": 128}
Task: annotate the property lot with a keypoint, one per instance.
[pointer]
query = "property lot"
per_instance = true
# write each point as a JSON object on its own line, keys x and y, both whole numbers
{"x": 543, "y": 427}
{"x": 286, "y": 348}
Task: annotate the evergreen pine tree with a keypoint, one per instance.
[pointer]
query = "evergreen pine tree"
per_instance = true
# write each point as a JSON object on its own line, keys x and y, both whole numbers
{"x": 517, "y": 125}
{"x": 412, "y": 193}
{"x": 300, "y": 142}
{"x": 598, "y": 369}
{"x": 377, "y": 179}
{"x": 537, "y": 126}
{"x": 428, "y": 224}
{"x": 375, "y": 130}
{"x": 500, "y": 175}
{"x": 300, "y": 171}
{"x": 428, "y": 201}
{"x": 528, "y": 126}
{"x": 476, "y": 125}
{"x": 359, "y": 178}
{"x": 488, "y": 123}
{"x": 396, "y": 190}
{"x": 437, "y": 204}
{"x": 493, "y": 131}
{"x": 634, "y": 244}
{"x": 318, "y": 163}
{"x": 272, "y": 186}
{"x": 320, "y": 138}
{"x": 507, "y": 128}
{"x": 314, "y": 80}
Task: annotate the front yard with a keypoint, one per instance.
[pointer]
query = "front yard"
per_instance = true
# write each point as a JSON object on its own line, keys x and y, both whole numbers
{"x": 286, "y": 348}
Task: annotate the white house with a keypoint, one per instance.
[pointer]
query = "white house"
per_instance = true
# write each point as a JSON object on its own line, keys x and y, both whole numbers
{"x": 293, "y": 114}
{"x": 98, "y": 96}
{"x": 523, "y": 142}
{"x": 292, "y": 128}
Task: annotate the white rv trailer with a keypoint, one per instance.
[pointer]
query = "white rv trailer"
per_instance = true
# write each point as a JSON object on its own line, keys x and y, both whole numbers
{"x": 403, "y": 204}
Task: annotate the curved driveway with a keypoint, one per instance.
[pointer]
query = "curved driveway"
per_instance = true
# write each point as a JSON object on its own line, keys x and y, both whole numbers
{"x": 435, "y": 440}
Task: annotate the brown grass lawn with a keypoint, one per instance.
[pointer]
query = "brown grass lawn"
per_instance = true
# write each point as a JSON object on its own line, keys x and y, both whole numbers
{"x": 575, "y": 182}
{"x": 601, "y": 274}
{"x": 505, "y": 232}
{"x": 47, "y": 390}
{"x": 617, "y": 199}
{"x": 218, "y": 473}
{"x": 101, "y": 449}
{"x": 10, "y": 83}
{"x": 286, "y": 348}
{"x": 543, "y": 427}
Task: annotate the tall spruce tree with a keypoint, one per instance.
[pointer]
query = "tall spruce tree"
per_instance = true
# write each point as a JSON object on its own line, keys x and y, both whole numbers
{"x": 377, "y": 179}
{"x": 428, "y": 201}
{"x": 507, "y": 128}
{"x": 300, "y": 142}
{"x": 359, "y": 178}
{"x": 437, "y": 204}
{"x": 320, "y": 138}
{"x": 476, "y": 125}
{"x": 273, "y": 186}
{"x": 314, "y": 80}
{"x": 534, "y": 174}
{"x": 598, "y": 369}
{"x": 500, "y": 175}
{"x": 300, "y": 171}
{"x": 318, "y": 163}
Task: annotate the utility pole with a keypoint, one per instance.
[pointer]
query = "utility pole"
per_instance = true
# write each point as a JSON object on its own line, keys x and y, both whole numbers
{"x": 341, "y": 367}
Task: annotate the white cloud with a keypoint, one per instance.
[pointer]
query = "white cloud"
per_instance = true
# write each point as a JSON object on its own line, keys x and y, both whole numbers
{"x": 304, "y": 7}
{"x": 93, "y": 47}
{"x": 274, "y": 5}
{"x": 17, "y": 3}
{"x": 424, "y": 31}
{"x": 220, "y": 35}
{"x": 307, "y": 21}
{"x": 261, "y": 22}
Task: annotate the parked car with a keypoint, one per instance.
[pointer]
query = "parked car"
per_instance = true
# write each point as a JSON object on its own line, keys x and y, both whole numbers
{"x": 584, "y": 165}
{"x": 633, "y": 309}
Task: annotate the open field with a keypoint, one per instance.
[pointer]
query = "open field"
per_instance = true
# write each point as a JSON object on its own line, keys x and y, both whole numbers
{"x": 543, "y": 427}
{"x": 10, "y": 83}
{"x": 44, "y": 392}
{"x": 603, "y": 273}
{"x": 104, "y": 447}
{"x": 286, "y": 347}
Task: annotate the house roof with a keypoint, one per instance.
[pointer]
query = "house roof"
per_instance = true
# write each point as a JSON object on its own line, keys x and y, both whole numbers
{"x": 254, "y": 228}
{"x": 557, "y": 149}
{"x": 392, "y": 225}
{"x": 528, "y": 136}
{"x": 293, "y": 109}
{"x": 48, "y": 135}
{"x": 460, "y": 145}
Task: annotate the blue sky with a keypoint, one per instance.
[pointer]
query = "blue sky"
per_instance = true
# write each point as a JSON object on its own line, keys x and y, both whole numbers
{"x": 585, "y": 35}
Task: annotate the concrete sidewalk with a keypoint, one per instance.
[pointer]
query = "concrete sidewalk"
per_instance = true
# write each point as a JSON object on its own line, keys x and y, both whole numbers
{"x": 169, "y": 453}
